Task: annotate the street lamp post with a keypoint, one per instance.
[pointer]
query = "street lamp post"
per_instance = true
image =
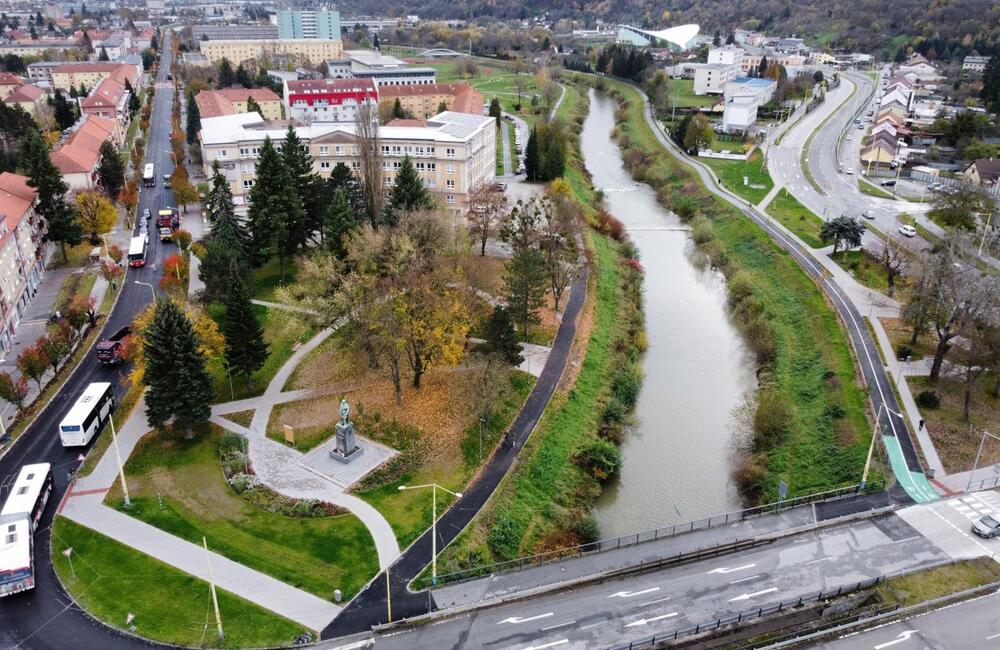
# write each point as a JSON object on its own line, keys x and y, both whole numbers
{"x": 434, "y": 488}
{"x": 975, "y": 465}
{"x": 152, "y": 290}
{"x": 875, "y": 434}
{"x": 121, "y": 468}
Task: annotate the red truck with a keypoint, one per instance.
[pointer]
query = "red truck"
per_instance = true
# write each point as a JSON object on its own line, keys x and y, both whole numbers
{"x": 167, "y": 221}
{"x": 109, "y": 350}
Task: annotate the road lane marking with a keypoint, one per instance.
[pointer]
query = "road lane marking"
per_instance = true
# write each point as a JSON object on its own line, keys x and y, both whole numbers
{"x": 733, "y": 570}
{"x": 754, "y": 577}
{"x": 993, "y": 636}
{"x": 519, "y": 619}
{"x": 629, "y": 594}
{"x": 554, "y": 627}
{"x": 754, "y": 594}
{"x": 547, "y": 645}
{"x": 644, "y": 621}
{"x": 652, "y": 602}
{"x": 900, "y": 638}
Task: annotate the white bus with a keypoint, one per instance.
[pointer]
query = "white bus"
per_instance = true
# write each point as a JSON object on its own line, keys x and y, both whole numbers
{"x": 137, "y": 251}
{"x": 18, "y": 519}
{"x": 88, "y": 415}
{"x": 148, "y": 176}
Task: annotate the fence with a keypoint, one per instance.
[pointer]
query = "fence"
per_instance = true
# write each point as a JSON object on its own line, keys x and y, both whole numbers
{"x": 984, "y": 484}
{"x": 624, "y": 541}
{"x": 653, "y": 641}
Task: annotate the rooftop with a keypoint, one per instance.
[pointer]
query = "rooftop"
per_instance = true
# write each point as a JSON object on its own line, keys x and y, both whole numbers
{"x": 15, "y": 198}
{"x": 373, "y": 59}
{"x": 988, "y": 168}
{"x": 213, "y": 103}
{"x": 26, "y": 93}
{"x": 10, "y": 79}
{"x": 82, "y": 149}
{"x": 466, "y": 98}
{"x": 306, "y": 86}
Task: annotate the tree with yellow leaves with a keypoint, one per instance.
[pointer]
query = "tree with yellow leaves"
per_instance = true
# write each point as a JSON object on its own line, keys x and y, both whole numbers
{"x": 95, "y": 214}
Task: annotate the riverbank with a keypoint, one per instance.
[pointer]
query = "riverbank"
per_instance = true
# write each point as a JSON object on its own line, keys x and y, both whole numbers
{"x": 809, "y": 426}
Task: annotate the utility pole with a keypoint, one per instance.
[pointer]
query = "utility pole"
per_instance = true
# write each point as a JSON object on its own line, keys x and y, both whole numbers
{"x": 211, "y": 586}
{"x": 118, "y": 455}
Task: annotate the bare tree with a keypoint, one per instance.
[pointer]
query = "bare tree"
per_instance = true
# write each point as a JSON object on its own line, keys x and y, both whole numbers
{"x": 487, "y": 212}
{"x": 982, "y": 353}
{"x": 370, "y": 159}
{"x": 895, "y": 260}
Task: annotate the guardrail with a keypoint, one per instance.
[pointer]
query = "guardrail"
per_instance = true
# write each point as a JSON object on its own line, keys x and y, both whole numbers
{"x": 984, "y": 484}
{"x": 624, "y": 541}
{"x": 653, "y": 641}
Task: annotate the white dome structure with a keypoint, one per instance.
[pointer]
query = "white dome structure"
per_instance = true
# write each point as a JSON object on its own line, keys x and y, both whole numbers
{"x": 680, "y": 36}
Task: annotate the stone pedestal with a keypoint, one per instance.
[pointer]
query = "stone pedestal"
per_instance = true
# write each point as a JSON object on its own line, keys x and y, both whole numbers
{"x": 346, "y": 448}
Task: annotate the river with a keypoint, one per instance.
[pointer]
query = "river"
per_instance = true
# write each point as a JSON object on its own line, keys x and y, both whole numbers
{"x": 677, "y": 460}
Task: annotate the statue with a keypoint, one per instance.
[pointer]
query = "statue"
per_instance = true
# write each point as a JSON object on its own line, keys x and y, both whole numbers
{"x": 346, "y": 446}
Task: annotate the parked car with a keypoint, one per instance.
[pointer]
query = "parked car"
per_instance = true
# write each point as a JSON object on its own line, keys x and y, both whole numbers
{"x": 848, "y": 137}
{"x": 849, "y": 170}
{"x": 987, "y": 526}
{"x": 147, "y": 215}
{"x": 868, "y": 214}
{"x": 889, "y": 183}
{"x": 861, "y": 126}
{"x": 908, "y": 231}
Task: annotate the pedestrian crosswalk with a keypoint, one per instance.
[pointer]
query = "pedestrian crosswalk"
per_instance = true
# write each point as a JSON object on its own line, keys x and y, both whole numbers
{"x": 975, "y": 506}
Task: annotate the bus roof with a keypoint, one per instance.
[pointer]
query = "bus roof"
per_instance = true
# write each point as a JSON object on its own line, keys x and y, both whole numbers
{"x": 148, "y": 169}
{"x": 84, "y": 403}
{"x": 165, "y": 211}
{"x": 25, "y": 491}
{"x": 137, "y": 245}
{"x": 15, "y": 544}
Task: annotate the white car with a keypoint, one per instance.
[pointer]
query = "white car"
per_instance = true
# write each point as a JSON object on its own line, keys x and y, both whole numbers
{"x": 848, "y": 137}
{"x": 849, "y": 170}
{"x": 908, "y": 231}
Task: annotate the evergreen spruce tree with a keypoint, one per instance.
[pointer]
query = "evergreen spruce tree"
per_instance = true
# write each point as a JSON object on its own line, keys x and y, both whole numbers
{"x": 64, "y": 111}
{"x": 227, "y": 244}
{"x": 243, "y": 77}
{"x": 340, "y": 220}
{"x": 61, "y": 226}
{"x": 531, "y": 158}
{"x": 275, "y": 208}
{"x": 408, "y": 193}
{"x": 111, "y": 170}
{"x": 193, "y": 118}
{"x": 342, "y": 178}
{"x": 990, "y": 93}
{"x": 397, "y": 110}
{"x": 246, "y": 349}
{"x": 253, "y": 106}
{"x": 312, "y": 193}
{"x": 525, "y": 283}
{"x": 103, "y": 55}
{"x": 500, "y": 337}
{"x": 179, "y": 385}
{"x": 227, "y": 77}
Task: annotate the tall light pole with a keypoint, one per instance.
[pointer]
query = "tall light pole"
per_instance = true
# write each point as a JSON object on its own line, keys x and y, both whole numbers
{"x": 434, "y": 488}
{"x": 152, "y": 289}
{"x": 875, "y": 434}
{"x": 121, "y": 468}
{"x": 975, "y": 465}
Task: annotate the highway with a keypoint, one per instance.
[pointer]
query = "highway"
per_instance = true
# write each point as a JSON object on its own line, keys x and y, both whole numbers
{"x": 971, "y": 624}
{"x": 633, "y": 607}
{"x": 45, "y": 617}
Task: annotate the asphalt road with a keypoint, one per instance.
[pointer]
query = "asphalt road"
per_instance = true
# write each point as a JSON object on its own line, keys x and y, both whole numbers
{"x": 45, "y": 617}
{"x": 635, "y": 607}
{"x": 972, "y": 624}
{"x": 369, "y": 607}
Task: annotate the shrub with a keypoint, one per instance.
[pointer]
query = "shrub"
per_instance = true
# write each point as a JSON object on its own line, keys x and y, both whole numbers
{"x": 835, "y": 411}
{"x": 626, "y": 385}
{"x": 504, "y": 539}
{"x": 770, "y": 422}
{"x": 614, "y": 411}
{"x": 588, "y": 530}
{"x": 738, "y": 289}
{"x": 601, "y": 459}
{"x": 929, "y": 399}
{"x": 903, "y": 352}
{"x": 701, "y": 230}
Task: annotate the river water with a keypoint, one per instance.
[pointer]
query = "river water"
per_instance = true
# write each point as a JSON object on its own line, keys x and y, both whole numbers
{"x": 677, "y": 461}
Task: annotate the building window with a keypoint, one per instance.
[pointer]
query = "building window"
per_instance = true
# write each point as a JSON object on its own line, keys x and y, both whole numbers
{"x": 354, "y": 150}
{"x": 248, "y": 183}
{"x": 338, "y": 150}
{"x": 387, "y": 181}
{"x": 450, "y": 198}
{"x": 431, "y": 181}
{"x": 246, "y": 168}
{"x": 449, "y": 153}
{"x": 223, "y": 155}
{"x": 324, "y": 151}
{"x": 450, "y": 183}
{"x": 449, "y": 168}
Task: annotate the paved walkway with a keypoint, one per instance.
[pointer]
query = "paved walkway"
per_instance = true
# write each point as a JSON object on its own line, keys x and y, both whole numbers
{"x": 508, "y": 164}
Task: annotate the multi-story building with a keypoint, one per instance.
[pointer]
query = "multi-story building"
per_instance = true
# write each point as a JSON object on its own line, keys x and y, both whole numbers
{"x": 310, "y": 50}
{"x": 67, "y": 76}
{"x": 425, "y": 101}
{"x": 726, "y": 55}
{"x": 42, "y": 70}
{"x": 328, "y": 100}
{"x": 29, "y": 97}
{"x": 308, "y": 24}
{"x": 78, "y": 157}
{"x": 743, "y": 96}
{"x": 230, "y": 101}
{"x": 751, "y": 60}
{"x": 234, "y": 32}
{"x": 21, "y": 252}
{"x": 382, "y": 69}
{"x": 452, "y": 152}
{"x": 9, "y": 82}
{"x": 976, "y": 64}
{"x": 711, "y": 78}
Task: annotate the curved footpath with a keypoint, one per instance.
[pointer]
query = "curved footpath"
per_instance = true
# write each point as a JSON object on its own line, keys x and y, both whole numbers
{"x": 896, "y": 435}
{"x": 369, "y": 607}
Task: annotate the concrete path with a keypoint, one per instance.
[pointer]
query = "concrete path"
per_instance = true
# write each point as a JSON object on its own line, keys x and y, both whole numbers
{"x": 508, "y": 165}
{"x": 283, "y": 307}
{"x": 555, "y": 107}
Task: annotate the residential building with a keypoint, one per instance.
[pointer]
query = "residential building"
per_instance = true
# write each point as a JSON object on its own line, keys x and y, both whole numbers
{"x": 116, "y": 45}
{"x": 234, "y": 32}
{"x": 975, "y": 64}
{"x": 9, "y": 82}
{"x": 985, "y": 173}
{"x": 726, "y": 55}
{"x": 328, "y": 100}
{"x": 195, "y": 60}
{"x": 29, "y": 97}
{"x": 424, "y": 101}
{"x": 42, "y": 70}
{"x": 308, "y": 24}
{"x": 452, "y": 152}
{"x": 743, "y": 96}
{"x": 80, "y": 154}
{"x": 711, "y": 78}
{"x": 67, "y": 76}
{"x": 21, "y": 252}
{"x": 790, "y": 45}
{"x": 311, "y": 50}
{"x": 759, "y": 89}
{"x": 751, "y": 60}
{"x": 109, "y": 100}
{"x": 230, "y": 101}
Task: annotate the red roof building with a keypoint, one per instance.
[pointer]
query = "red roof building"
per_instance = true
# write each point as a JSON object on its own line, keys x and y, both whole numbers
{"x": 328, "y": 100}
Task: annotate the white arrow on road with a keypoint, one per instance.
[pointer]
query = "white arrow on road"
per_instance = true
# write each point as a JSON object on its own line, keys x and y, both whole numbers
{"x": 629, "y": 594}
{"x": 903, "y": 636}
{"x": 645, "y": 621}
{"x": 548, "y": 645}
{"x": 753, "y": 595}
{"x": 518, "y": 619}
{"x": 728, "y": 570}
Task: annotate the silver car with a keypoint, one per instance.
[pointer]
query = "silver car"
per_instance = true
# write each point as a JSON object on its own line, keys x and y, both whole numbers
{"x": 987, "y": 527}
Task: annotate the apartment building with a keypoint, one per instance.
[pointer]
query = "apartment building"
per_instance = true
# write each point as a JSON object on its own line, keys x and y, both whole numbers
{"x": 21, "y": 252}
{"x": 311, "y": 50}
{"x": 109, "y": 101}
{"x": 328, "y": 100}
{"x": 424, "y": 101}
{"x": 230, "y": 101}
{"x": 711, "y": 78}
{"x": 452, "y": 152}
{"x": 9, "y": 82}
{"x": 725, "y": 55}
{"x": 308, "y": 24}
{"x": 29, "y": 97}
{"x": 73, "y": 75}
{"x": 78, "y": 157}
{"x": 975, "y": 64}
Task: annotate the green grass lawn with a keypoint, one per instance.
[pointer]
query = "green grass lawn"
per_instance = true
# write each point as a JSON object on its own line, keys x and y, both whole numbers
{"x": 866, "y": 270}
{"x": 317, "y": 554}
{"x": 75, "y": 285}
{"x": 732, "y": 172}
{"x": 76, "y": 256}
{"x": 113, "y": 580}
{"x": 267, "y": 279}
{"x": 871, "y": 190}
{"x": 682, "y": 95}
{"x": 921, "y": 586}
{"x": 282, "y": 330}
{"x": 787, "y": 210}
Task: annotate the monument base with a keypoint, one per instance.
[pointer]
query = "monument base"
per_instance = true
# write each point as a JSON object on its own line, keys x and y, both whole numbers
{"x": 346, "y": 448}
{"x": 345, "y": 458}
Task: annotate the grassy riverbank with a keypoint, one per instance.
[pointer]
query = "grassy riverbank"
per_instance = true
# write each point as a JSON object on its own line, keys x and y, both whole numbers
{"x": 810, "y": 426}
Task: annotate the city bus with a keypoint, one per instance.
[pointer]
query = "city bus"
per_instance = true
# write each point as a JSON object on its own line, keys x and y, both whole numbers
{"x": 20, "y": 516}
{"x": 88, "y": 415}
{"x": 148, "y": 176}
{"x": 137, "y": 251}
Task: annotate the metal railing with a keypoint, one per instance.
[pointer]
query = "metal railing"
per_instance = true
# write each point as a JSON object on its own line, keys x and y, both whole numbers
{"x": 984, "y": 484}
{"x": 624, "y": 541}
{"x": 653, "y": 641}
